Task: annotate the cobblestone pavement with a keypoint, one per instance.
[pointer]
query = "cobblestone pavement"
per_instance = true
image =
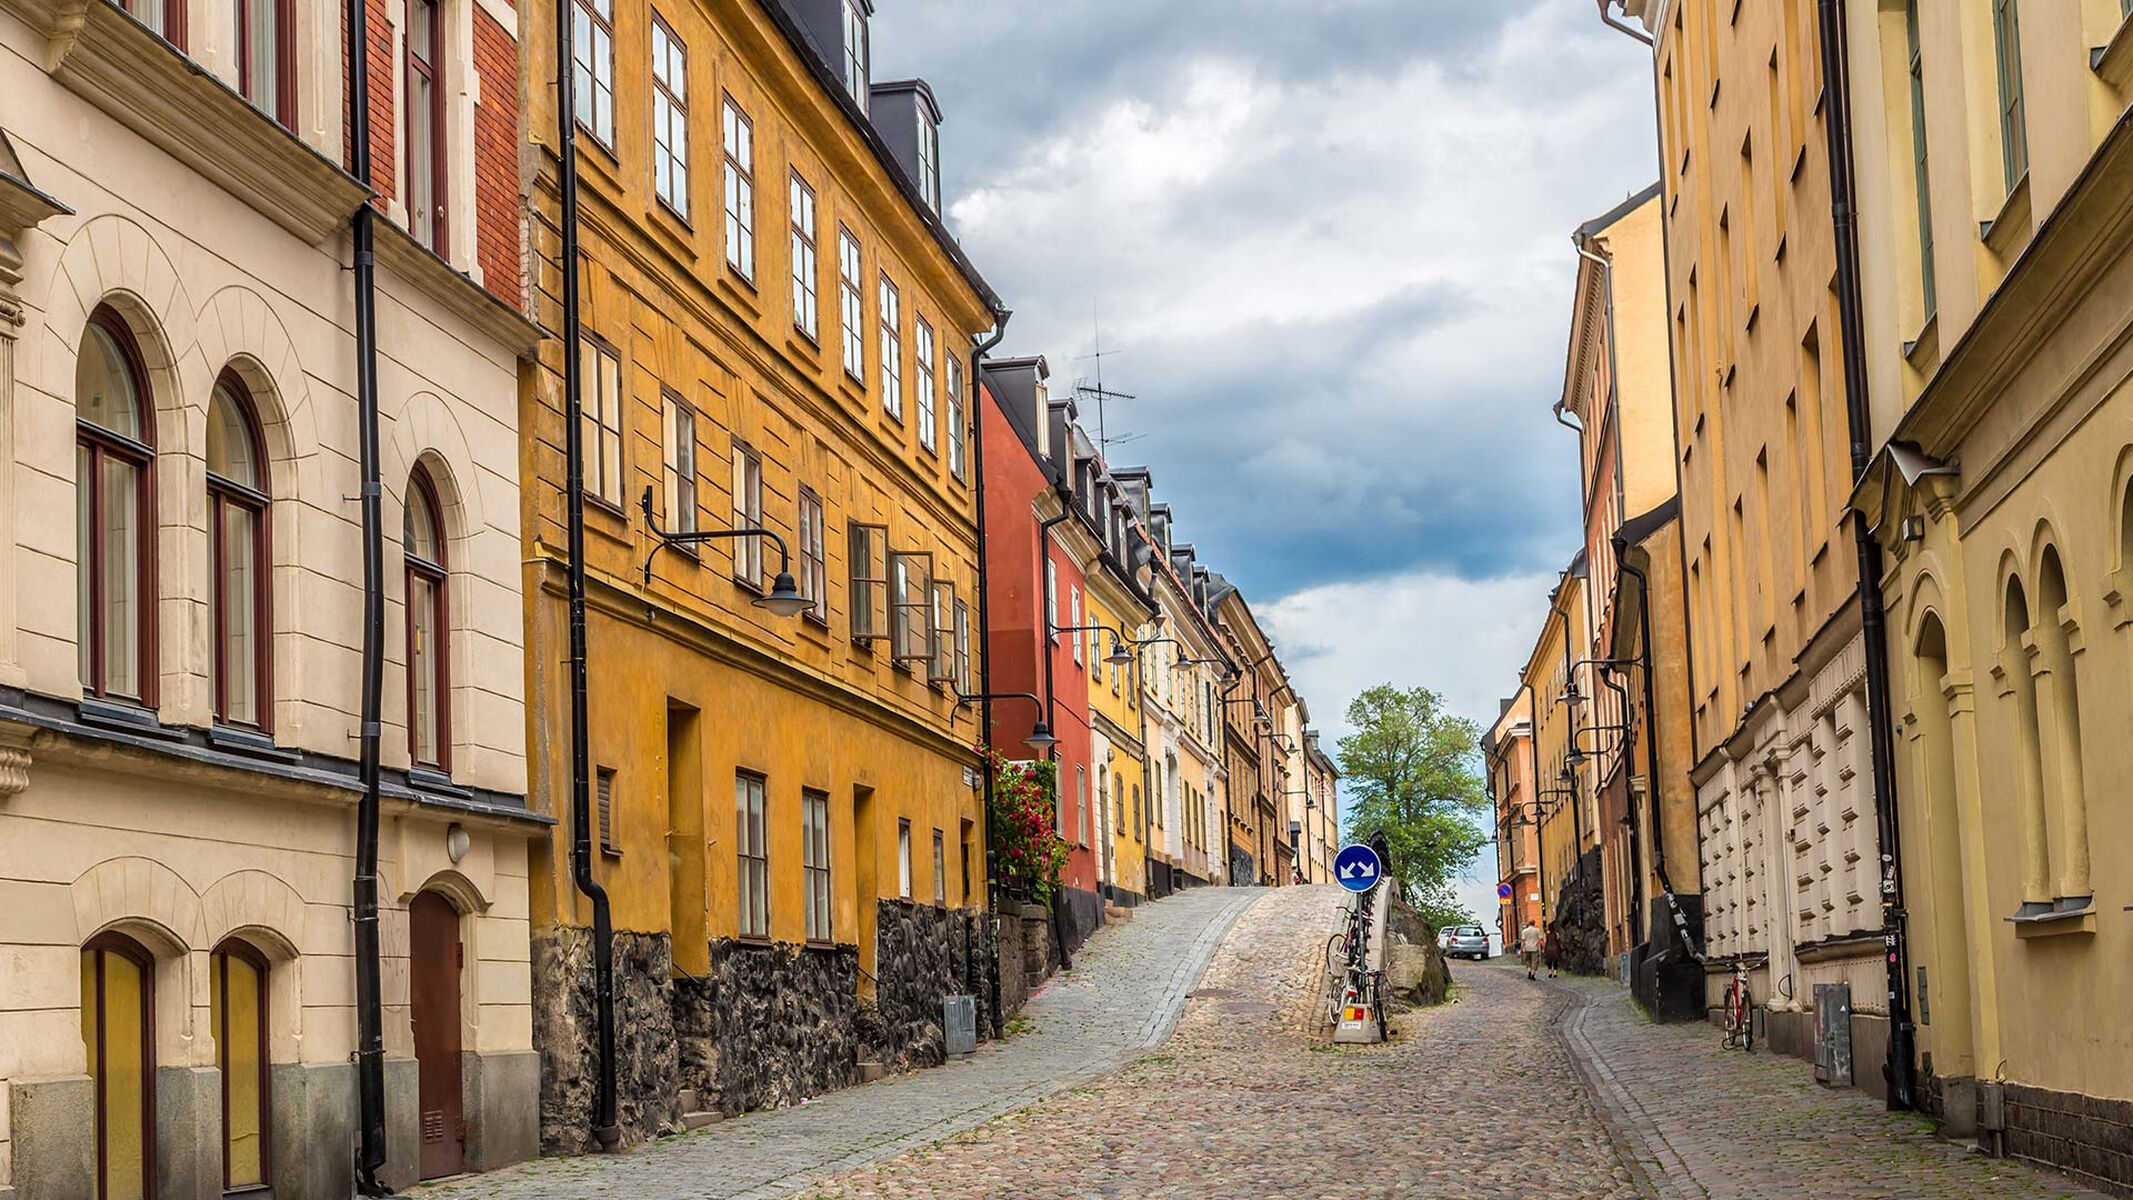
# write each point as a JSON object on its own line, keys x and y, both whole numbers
{"x": 1474, "y": 1098}
{"x": 1703, "y": 1123}
{"x": 1124, "y": 995}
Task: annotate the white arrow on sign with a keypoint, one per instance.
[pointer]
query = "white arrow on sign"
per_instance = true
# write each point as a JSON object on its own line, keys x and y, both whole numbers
{"x": 1360, "y": 870}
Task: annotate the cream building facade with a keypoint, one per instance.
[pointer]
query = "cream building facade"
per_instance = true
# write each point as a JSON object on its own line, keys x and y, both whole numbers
{"x": 179, "y": 657}
{"x": 1994, "y": 150}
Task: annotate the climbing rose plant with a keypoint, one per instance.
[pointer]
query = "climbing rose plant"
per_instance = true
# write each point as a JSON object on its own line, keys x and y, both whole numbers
{"x": 1024, "y": 803}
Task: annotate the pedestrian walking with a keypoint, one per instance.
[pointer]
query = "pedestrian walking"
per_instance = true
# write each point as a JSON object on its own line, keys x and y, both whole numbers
{"x": 1529, "y": 946}
{"x": 1552, "y": 953}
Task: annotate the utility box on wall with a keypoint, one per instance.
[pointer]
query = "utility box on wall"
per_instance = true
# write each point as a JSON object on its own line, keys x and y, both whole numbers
{"x": 1833, "y": 1034}
{"x": 959, "y": 1025}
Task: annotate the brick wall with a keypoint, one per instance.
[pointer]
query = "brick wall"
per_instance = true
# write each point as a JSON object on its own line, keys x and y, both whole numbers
{"x": 380, "y": 36}
{"x": 496, "y": 141}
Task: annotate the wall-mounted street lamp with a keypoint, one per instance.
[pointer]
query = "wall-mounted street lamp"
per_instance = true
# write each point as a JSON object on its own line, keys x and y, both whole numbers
{"x": 783, "y": 598}
{"x": 1040, "y": 736}
{"x": 1119, "y": 656}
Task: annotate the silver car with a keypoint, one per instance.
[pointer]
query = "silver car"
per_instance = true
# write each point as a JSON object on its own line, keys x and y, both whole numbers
{"x": 1466, "y": 941}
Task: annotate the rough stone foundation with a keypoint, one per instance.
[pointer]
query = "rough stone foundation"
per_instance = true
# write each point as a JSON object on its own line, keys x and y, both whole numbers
{"x": 772, "y": 1025}
{"x": 924, "y": 955}
{"x": 566, "y": 1032}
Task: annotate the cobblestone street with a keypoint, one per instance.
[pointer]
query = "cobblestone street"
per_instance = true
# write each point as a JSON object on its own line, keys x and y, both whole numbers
{"x": 1491, "y": 1095}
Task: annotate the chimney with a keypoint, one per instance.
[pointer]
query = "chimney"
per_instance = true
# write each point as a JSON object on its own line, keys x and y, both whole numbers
{"x": 909, "y": 120}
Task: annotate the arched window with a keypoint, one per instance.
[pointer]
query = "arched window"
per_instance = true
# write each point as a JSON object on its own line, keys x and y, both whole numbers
{"x": 2021, "y": 686}
{"x": 237, "y": 1012}
{"x": 113, "y": 454}
{"x": 237, "y": 552}
{"x": 429, "y": 725}
{"x": 118, "y": 1031}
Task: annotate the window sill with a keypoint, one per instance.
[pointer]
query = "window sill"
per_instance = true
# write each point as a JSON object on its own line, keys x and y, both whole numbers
{"x": 819, "y": 620}
{"x": 1923, "y": 350}
{"x": 436, "y": 782}
{"x": 819, "y": 947}
{"x": 760, "y": 941}
{"x": 117, "y": 714}
{"x": 738, "y": 288}
{"x": 2004, "y": 231}
{"x": 2113, "y": 61}
{"x": 2055, "y": 923}
{"x": 671, "y": 230}
{"x": 250, "y": 742}
{"x": 610, "y": 852}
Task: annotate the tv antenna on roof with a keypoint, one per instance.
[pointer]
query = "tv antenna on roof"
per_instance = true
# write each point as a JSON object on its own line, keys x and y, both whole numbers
{"x": 1099, "y": 393}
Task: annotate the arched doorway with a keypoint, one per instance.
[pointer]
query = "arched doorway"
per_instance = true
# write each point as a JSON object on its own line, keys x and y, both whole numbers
{"x": 237, "y": 1012}
{"x": 118, "y": 1029}
{"x": 434, "y": 949}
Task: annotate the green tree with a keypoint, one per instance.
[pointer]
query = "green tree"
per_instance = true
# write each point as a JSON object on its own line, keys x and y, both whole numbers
{"x": 1413, "y": 775}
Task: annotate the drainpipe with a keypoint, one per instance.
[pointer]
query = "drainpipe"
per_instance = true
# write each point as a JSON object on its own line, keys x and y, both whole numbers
{"x": 1872, "y": 619}
{"x": 370, "y": 1007}
{"x": 1051, "y": 701}
{"x": 1540, "y": 829}
{"x": 1651, "y": 747}
{"x": 977, "y": 464}
{"x": 605, "y": 1128}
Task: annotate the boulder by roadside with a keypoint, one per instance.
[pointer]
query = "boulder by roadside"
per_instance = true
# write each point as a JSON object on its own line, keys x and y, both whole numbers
{"x": 1415, "y": 972}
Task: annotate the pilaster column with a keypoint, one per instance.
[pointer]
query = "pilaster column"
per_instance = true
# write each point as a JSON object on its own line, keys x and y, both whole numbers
{"x": 11, "y": 320}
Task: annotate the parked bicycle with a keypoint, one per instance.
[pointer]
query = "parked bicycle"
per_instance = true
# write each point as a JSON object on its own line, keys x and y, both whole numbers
{"x": 1739, "y": 1017}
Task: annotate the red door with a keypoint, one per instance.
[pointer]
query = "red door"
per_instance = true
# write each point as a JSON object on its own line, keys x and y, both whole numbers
{"x": 435, "y": 968}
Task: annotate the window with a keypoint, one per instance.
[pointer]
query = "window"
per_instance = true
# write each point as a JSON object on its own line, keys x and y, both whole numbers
{"x": 1051, "y": 598}
{"x": 739, "y": 143}
{"x": 1074, "y": 616}
{"x": 164, "y": 18}
{"x": 747, "y": 514}
{"x": 804, "y": 316}
{"x": 940, "y": 868}
{"x": 428, "y": 678}
{"x": 922, "y": 346}
{"x": 113, "y": 457}
{"x": 1118, "y": 799}
{"x": 600, "y": 419}
{"x": 1139, "y": 818}
{"x": 670, "y": 118}
{"x": 2007, "y": 48}
{"x": 753, "y": 847}
{"x": 1919, "y": 158}
{"x": 266, "y": 53}
{"x": 237, "y": 556}
{"x": 1081, "y": 804}
{"x": 678, "y": 435}
{"x": 911, "y": 591}
{"x": 929, "y": 161}
{"x": 814, "y": 560}
{"x": 869, "y": 551}
{"x": 851, "y": 306}
{"x": 956, "y": 465}
{"x": 815, "y": 862}
{"x": 604, "y": 800}
{"x": 857, "y": 54}
{"x": 118, "y": 996}
{"x": 425, "y": 125}
{"x": 941, "y": 668}
{"x": 892, "y": 350}
{"x": 962, "y": 647}
{"x": 593, "y": 67}
{"x": 237, "y": 1013}
{"x": 903, "y": 858}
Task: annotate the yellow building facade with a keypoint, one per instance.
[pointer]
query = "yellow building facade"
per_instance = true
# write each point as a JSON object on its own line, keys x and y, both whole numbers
{"x": 1117, "y": 735}
{"x": 776, "y": 336}
{"x": 1995, "y": 159}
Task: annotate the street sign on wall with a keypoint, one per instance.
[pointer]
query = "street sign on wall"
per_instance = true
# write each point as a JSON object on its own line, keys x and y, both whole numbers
{"x": 1357, "y": 868}
{"x": 1503, "y": 893}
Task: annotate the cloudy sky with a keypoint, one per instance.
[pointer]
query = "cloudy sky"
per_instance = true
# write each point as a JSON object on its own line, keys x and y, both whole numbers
{"x": 1328, "y": 246}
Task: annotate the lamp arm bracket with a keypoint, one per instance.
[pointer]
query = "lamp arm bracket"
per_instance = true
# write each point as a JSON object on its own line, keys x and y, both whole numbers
{"x": 665, "y": 538}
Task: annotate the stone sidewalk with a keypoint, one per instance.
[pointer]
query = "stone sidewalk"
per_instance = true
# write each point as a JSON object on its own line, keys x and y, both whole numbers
{"x": 1124, "y": 995}
{"x": 1698, "y": 1122}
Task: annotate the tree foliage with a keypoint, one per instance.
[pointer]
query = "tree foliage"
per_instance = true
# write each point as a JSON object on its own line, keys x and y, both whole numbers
{"x": 1413, "y": 774}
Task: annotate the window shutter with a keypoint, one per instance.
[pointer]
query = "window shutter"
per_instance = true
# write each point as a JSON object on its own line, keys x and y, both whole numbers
{"x": 606, "y": 792}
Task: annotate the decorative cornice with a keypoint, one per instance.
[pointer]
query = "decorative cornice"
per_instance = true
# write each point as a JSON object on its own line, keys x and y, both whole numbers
{"x": 401, "y": 255}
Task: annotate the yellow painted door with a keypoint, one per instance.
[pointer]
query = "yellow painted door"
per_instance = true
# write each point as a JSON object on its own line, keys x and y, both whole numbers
{"x": 118, "y": 994}
{"x": 237, "y": 1011}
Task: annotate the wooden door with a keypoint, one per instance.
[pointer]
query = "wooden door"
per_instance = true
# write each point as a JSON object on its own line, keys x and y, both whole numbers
{"x": 118, "y": 1029}
{"x": 436, "y": 951}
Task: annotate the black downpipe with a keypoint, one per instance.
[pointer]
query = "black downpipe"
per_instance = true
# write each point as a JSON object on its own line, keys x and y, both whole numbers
{"x": 1051, "y": 700}
{"x": 1533, "y": 786}
{"x": 977, "y": 465}
{"x": 1873, "y": 622}
{"x": 370, "y": 1005}
{"x": 605, "y": 1128}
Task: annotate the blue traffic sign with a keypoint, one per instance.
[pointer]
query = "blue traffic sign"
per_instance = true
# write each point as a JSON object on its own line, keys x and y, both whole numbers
{"x": 1503, "y": 891}
{"x": 1357, "y": 868}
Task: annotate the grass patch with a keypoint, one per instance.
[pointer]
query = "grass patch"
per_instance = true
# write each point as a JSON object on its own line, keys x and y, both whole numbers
{"x": 1017, "y": 1025}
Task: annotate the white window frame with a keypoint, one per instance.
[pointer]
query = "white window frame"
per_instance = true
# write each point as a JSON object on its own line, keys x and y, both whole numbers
{"x": 858, "y": 54}
{"x": 593, "y": 64}
{"x": 891, "y": 337}
{"x": 678, "y": 443}
{"x": 940, "y": 868}
{"x": 738, "y": 150}
{"x": 600, "y": 417}
{"x": 816, "y": 863}
{"x": 747, "y": 514}
{"x": 929, "y": 160}
{"x": 925, "y": 377}
{"x": 903, "y": 857}
{"x": 852, "y": 304}
{"x": 751, "y": 854}
{"x": 958, "y": 464}
{"x": 806, "y": 316}
{"x": 670, "y": 118}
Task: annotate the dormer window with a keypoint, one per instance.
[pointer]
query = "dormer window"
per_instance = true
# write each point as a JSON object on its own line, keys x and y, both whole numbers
{"x": 929, "y": 161}
{"x": 1044, "y": 421}
{"x": 856, "y": 55}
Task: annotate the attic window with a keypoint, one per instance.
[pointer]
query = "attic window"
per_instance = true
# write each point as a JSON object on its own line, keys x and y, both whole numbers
{"x": 929, "y": 161}
{"x": 856, "y": 55}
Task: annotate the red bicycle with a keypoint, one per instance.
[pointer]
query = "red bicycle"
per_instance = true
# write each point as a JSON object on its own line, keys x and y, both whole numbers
{"x": 1739, "y": 1013}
